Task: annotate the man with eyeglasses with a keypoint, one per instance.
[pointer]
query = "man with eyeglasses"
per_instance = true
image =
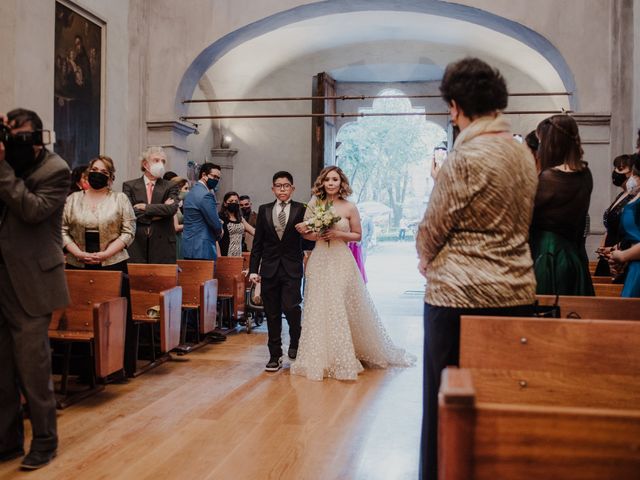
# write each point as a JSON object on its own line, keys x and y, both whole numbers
{"x": 277, "y": 255}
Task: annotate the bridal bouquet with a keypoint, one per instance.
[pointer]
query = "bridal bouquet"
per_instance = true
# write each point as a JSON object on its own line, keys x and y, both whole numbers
{"x": 324, "y": 216}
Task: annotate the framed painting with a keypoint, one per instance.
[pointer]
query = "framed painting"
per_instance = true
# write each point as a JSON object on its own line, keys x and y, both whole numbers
{"x": 78, "y": 84}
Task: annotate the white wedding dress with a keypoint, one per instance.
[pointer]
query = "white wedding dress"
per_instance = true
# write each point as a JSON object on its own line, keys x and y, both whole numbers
{"x": 341, "y": 328}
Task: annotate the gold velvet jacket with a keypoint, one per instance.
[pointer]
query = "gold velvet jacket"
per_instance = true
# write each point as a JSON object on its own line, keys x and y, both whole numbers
{"x": 474, "y": 234}
{"x": 116, "y": 220}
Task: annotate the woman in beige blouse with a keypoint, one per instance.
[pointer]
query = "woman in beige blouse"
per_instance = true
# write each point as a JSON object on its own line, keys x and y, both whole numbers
{"x": 98, "y": 224}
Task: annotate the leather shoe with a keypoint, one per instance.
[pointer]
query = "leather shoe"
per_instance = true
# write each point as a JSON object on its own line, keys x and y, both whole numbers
{"x": 36, "y": 459}
{"x": 9, "y": 455}
{"x": 216, "y": 337}
{"x": 293, "y": 353}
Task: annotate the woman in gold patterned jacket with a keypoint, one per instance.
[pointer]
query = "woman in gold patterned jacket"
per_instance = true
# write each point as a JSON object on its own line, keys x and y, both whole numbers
{"x": 98, "y": 224}
{"x": 473, "y": 240}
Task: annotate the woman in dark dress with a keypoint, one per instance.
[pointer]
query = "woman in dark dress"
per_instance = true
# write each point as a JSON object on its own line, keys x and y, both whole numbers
{"x": 611, "y": 218}
{"x": 233, "y": 227}
{"x": 560, "y": 210}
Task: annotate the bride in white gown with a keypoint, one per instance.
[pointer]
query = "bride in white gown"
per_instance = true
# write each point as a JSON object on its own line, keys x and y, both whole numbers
{"x": 341, "y": 328}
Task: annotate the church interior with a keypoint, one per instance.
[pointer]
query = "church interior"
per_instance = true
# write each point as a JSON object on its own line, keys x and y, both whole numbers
{"x": 235, "y": 83}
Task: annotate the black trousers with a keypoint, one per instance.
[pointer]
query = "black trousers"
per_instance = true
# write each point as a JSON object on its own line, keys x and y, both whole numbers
{"x": 281, "y": 294}
{"x": 442, "y": 349}
{"x": 25, "y": 365}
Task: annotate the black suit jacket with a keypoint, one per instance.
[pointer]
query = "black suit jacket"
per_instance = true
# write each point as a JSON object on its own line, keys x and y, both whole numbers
{"x": 154, "y": 224}
{"x": 269, "y": 252}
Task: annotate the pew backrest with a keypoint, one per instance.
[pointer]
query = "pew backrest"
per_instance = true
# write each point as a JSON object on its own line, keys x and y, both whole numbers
{"x": 146, "y": 282}
{"x": 595, "y": 308}
{"x": 561, "y": 362}
{"x": 608, "y": 289}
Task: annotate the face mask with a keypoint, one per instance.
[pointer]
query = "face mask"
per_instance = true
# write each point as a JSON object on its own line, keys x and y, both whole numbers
{"x": 182, "y": 195}
{"x": 632, "y": 184}
{"x": 212, "y": 184}
{"x": 98, "y": 180}
{"x": 157, "y": 170}
{"x": 233, "y": 207}
{"x": 618, "y": 178}
{"x": 20, "y": 156}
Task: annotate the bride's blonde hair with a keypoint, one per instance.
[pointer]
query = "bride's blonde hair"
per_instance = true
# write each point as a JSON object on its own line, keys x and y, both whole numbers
{"x": 318, "y": 187}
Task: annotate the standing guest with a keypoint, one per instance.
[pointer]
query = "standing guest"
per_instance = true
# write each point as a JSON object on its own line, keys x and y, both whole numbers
{"x": 201, "y": 223}
{"x": 98, "y": 224}
{"x": 472, "y": 242}
{"x": 560, "y": 211}
{"x": 78, "y": 179}
{"x": 276, "y": 263}
{"x": 611, "y": 219}
{"x": 250, "y": 216}
{"x": 34, "y": 184}
{"x": 155, "y": 202}
{"x": 178, "y": 218}
{"x": 234, "y": 227}
{"x": 627, "y": 255}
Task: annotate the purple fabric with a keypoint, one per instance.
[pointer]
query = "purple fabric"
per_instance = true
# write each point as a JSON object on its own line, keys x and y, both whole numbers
{"x": 357, "y": 254}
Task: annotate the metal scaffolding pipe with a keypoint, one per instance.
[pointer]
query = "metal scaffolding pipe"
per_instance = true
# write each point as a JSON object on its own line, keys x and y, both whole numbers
{"x": 356, "y": 97}
{"x": 344, "y": 115}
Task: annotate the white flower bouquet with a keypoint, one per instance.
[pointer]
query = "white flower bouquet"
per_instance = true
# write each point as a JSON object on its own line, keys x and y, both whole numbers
{"x": 324, "y": 216}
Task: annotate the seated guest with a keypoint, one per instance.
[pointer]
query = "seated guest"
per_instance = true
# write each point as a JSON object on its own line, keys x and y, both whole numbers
{"x": 98, "y": 224}
{"x": 155, "y": 202}
{"x": 78, "y": 179}
{"x": 629, "y": 248}
{"x": 250, "y": 216}
{"x": 560, "y": 210}
{"x": 178, "y": 218}
{"x": 611, "y": 218}
{"x": 234, "y": 227}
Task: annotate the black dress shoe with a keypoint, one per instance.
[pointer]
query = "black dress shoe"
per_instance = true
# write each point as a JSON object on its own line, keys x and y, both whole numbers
{"x": 9, "y": 455}
{"x": 216, "y": 337}
{"x": 275, "y": 364}
{"x": 293, "y": 353}
{"x": 36, "y": 459}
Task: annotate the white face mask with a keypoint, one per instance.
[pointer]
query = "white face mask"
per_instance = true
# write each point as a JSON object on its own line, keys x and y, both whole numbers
{"x": 156, "y": 169}
{"x": 632, "y": 183}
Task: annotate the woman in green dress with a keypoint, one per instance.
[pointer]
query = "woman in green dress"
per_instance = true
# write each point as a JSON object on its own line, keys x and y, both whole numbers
{"x": 560, "y": 210}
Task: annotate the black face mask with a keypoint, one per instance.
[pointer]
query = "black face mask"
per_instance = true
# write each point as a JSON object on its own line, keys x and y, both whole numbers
{"x": 618, "y": 178}
{"x": 21, "y": 157}
{"x": 233, "y": 208}
{"x": 97, "y": 180}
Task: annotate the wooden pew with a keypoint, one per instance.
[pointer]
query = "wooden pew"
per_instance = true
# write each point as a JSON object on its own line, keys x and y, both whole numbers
{"x": 486, "y": 440}
{"x": 96, "y": 316}
{"x": 231, "y": 282}
{"x": 592, "y": 267}
{"x": 199, "y": 292}
{"x": 601, "y": 279}
{"x": 154, "y": 285}
{"x": 608, "y": 290}
{"x": 596, "y": 308}
{"x": 542, "y": 398}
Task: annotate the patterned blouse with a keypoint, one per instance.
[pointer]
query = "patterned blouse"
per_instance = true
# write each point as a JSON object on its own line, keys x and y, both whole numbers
{"x": 113, "y": 218}
{"x": 474, "y": 234}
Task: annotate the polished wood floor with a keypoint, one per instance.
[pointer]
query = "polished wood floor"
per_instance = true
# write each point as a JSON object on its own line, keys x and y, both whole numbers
{"x": 215, "y": 414}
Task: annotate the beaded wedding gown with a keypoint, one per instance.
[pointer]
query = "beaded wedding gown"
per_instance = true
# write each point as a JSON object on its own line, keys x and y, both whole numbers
{"x": 340, "y": 326}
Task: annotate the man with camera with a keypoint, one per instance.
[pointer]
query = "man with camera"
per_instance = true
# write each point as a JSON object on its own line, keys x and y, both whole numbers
{"x": 33, "y": 187}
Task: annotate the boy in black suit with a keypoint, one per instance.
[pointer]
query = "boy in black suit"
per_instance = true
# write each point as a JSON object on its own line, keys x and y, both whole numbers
{"x": 277, "y": 255}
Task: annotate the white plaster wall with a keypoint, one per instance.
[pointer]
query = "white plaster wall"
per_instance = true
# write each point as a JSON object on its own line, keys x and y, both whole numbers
{"x": 636, "y": 69}
{"x": 26, "y": 78}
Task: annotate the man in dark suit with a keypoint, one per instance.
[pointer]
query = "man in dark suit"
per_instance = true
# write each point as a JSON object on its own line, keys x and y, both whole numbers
{"x": 276, "y": 262}
{"x": 33, "y": 188}
{"x": 155, "y": 202}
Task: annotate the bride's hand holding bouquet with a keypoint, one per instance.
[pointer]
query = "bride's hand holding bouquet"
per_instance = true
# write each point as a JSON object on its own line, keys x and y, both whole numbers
{"x": 324, "y": 217}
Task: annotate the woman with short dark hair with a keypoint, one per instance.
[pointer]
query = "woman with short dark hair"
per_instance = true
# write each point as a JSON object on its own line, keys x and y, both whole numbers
{"x": 611, "y": 219}
{"x": 472, "y": 241}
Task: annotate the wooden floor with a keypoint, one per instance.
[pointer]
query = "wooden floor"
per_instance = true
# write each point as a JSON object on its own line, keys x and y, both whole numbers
{"x": 216, "y": 414}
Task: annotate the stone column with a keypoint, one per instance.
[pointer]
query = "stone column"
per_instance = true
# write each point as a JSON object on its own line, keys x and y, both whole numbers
{"x": 224, "y": 158}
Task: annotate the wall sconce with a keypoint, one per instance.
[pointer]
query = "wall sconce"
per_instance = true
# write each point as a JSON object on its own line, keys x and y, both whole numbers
{"x": 225, "y": 141}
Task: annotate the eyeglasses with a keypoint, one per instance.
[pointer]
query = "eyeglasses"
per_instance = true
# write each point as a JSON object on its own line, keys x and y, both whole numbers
{"x": 282, "y": 186}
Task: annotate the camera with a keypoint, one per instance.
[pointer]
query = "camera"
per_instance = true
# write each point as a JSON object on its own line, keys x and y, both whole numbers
{"x": 38, "y": 137}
